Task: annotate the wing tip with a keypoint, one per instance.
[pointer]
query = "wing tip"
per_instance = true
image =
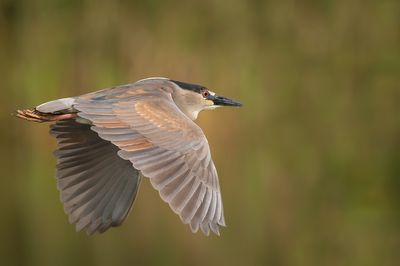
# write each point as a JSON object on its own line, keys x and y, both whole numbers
{"x": 206, "y": 228}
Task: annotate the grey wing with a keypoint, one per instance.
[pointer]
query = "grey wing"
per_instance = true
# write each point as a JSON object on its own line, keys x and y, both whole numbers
{"x": 97, "y": 186}
{"x": 165, "y": 146}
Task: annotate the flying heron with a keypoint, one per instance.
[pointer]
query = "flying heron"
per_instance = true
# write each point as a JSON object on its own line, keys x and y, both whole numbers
{"x": 108, "y": 139}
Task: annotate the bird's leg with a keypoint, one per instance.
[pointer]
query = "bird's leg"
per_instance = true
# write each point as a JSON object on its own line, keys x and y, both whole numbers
{"x": 39, "y": 117}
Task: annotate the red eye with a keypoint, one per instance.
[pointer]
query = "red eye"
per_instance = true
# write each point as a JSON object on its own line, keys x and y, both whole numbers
{"x": 205, "y": 93}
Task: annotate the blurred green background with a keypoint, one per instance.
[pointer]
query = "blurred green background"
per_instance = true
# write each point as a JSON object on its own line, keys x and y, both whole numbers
{"x": 309, "y": 167}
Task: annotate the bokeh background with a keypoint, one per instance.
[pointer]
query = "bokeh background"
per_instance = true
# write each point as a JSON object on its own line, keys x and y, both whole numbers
{"x": 309, "y": 167}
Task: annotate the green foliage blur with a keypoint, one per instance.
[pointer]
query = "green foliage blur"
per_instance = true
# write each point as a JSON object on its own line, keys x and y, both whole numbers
{"x": 309, "y": 167}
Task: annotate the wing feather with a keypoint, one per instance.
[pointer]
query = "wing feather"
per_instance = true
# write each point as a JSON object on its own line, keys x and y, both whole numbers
{"x": 97, "y": 187}
{"x": 151, "y": 132}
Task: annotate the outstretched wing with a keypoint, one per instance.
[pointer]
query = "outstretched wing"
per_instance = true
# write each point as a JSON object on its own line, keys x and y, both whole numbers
{"x": 97, "y": 186}
{"x": 164, "y": 144}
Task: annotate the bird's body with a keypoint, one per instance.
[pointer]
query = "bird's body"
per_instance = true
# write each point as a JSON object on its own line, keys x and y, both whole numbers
{"x": 109, "y": 139}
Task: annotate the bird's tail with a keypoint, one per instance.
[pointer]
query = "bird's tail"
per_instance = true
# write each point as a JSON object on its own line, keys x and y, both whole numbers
{"x": 40, "y": 117}
{"x": 56, "y": 110}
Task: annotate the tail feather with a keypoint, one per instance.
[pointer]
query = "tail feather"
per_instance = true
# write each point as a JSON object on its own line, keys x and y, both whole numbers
{"x": 60, "y": 109}
{"x": 39, "y": 117}
{"x": 59, "y": 105}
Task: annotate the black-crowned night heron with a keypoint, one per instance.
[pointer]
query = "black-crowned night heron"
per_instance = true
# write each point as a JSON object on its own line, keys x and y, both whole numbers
{"x": 108, "y": 139}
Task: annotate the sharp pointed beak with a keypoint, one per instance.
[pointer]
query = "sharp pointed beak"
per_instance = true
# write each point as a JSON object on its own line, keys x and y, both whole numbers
{"x": 222, "y": 101}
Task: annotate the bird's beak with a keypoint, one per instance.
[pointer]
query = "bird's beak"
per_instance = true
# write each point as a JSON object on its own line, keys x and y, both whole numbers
{"x": 223, "y": 101}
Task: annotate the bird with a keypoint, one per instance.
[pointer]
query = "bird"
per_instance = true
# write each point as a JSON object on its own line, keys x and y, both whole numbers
{"x": 108, "y": 140}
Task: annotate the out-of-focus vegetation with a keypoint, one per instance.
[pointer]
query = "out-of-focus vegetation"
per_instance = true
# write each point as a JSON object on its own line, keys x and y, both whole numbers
{"x": 309, "y": 167}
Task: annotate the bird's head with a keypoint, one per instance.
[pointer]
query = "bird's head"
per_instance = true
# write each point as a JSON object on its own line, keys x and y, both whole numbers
{"x": 193, "y": 98}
